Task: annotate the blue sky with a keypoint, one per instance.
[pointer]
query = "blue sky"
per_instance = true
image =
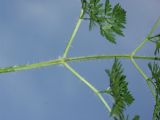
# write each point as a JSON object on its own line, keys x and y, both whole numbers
{"x": 38, "y": 30}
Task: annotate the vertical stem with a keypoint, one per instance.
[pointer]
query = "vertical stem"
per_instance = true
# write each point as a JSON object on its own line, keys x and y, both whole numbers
{"x": 73, "y": 35}
{"x": 89, "y": 85}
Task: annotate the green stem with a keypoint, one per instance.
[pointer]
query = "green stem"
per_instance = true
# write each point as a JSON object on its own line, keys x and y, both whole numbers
{"x": 73, "y": 35}
{"x": 89, "y": 85}
{"x": 148, "y": 36}
{"x": 138, "y": 48}
{"x": 157, "y": 23}
{"x": 96, "y": 57}
{"x": 144, "y": 76}
{"x": 71, "y": 59}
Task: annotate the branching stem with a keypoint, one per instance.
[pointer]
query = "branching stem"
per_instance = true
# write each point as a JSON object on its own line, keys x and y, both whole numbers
{"x": 138, "y": 48}
{"x": 89, "y": 85}
{"x": 64, "y": 60}
{"x": 70, "y": 59}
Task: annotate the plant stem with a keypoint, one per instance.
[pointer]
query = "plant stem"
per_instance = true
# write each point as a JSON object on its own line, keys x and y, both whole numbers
{"x": 73, "y": 34}
{"x": 148, "y": 36}
{"x": 89, "y": 85}
{"x": 138, "y": 48}
{"x": 96, "y": 57}
{"x": 144, "y": 76}
{"x": 70, "y": 59}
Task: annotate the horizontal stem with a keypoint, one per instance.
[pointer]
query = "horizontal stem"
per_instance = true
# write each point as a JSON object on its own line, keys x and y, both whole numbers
{"x": 96, "y": 57}
{"x": 70, "y": 59}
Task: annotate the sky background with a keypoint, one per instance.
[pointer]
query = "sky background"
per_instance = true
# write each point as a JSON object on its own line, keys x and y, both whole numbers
{"x": 38, "y": 30}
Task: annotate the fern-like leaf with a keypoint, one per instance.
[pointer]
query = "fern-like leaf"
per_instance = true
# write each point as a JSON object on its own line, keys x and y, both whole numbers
{"x": 156, "y": 39}
{"x": 119, "y": 90}
{"x": 136, "y": 117}
{"x": 155, "y": 71}
{"x": 110, "y": 20}
{"x": 156, "y": 112}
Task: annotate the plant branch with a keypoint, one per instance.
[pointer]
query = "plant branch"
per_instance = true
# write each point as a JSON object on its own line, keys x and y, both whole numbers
{"x": 148, "y": 36}
{"x": 73, "y": 35}
{"x": 144, "y": 75}
{"x": 138, "y": 48}
{"x": 89, "y": 85}
{"x": 70, "y": 59}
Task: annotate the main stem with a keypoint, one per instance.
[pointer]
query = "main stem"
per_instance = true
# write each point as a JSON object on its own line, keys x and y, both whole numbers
{"x": 71, "y": 59}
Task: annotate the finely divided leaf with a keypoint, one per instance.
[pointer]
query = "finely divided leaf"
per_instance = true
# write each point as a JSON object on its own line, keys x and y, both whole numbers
{"x": 157, "y": 50}
{"x": 110, "y": 20}
{"x": 155, "y": 71}
{"x": 118, "y": 19}
{"x": 156, "y": 112}
{"x": 119, "y": 90}
{"x": 156, "y": 39}
{"x": 107, "y": 32}
{"x": 136, "y": 117}
{"x": 108, "y": 8}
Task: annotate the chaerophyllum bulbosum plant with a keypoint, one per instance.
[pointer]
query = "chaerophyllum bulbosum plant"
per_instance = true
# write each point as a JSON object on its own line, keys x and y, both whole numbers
{"x": 111, "y": 20}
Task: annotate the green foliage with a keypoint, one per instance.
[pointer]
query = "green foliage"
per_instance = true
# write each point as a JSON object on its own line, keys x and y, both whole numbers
{"x": 157, "y": 47}
{"x": 110, "y": 20}
{"x": 156, "y": 112}
{"x": 156, "y": 39}
{"x": 118, "y": 90}
{"x": 136, "y": 117}
{"x": 155, "y": 71}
